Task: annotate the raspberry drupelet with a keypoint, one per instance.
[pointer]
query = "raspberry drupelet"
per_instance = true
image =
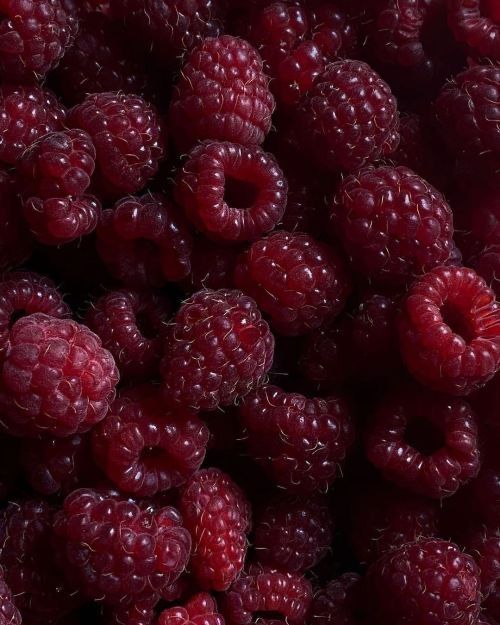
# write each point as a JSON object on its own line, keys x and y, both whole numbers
{"x": 339, "y": 603}
{"x": 16, "y": 241}
{"x": 476, "y": 23}
{"x": 449, "y": 330}
{"x": 219, "y": 349}
{"x": 9, "y": 614}
{"x": 201, "y": 609}
{"x": 299, "y": 282}
{"x": 231, "y": 192}
{"x": 222, "y": 94}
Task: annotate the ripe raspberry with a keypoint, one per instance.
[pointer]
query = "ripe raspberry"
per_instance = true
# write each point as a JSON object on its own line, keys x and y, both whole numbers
{"x": 16, "y": 242}
{"x": 145, "y": 241}
{"x": 449, "y": 330}
{"x": 199, "y": 610}
{"x": 340, "y": 603}
{"x": 222, "y": 94}
{"x": 116, "y": 550}
{"x": 476, "y": 23}
{"x": 484, "y": 545}
{"x": 56, "y": 378}
{"x": 299, "y": 282}
{"x": 219, "y": 350}
{"x": 300, "y": 442}
{"x": 348, "y": 118}
{"x": 128, "y": 137}
{"x": 212, "y": 266}
{"x": 9, "y": 614}
{"x": 425, "y": 582}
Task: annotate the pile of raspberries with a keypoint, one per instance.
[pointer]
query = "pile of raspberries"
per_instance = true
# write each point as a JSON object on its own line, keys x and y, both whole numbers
{"x": 249, "y": 327}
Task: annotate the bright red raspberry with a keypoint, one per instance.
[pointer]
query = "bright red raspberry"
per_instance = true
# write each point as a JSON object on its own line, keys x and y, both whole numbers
{"x": 484, "y": 546}
{"x": 128, "y": 136}
{"x": 449, "y": 331}
{"x": 16, "y": 241}
{"x": 299, "y": 282}
{"x": 219, "y": 349}
{"x": 9, "y": 614}
{"x": 199, "y": 610}
{"x": 218, "y": 515}
{"x": 145, "y": 241}
{"x": 300, "y": 442}
{"x": 212, "y": 266}
{"x": 425, "y": 582}
{"x": 56, "y": 379}
{"x": 340, "y": 603}
{"x": 476, "y": 23}
{"x": 348, "y": 118}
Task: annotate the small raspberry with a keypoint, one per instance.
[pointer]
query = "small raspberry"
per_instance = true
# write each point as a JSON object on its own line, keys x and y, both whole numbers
{"x": 476, "y": 23}
{"x": 199, "y": 610}
{"x": 340, "y": 603}
{"x": 212, "y": 266}
{"x": 218, "y": 515}
{"x": 16, "y": 242}
{"x": 484, "y": 546}
{"x": 9, "y": 614}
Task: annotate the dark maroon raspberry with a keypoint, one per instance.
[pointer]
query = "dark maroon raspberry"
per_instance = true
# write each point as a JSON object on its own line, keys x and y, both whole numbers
{"x": 10, "y": 467}
{"x": 128, "y": 136}
{"x": 340, "y": 603}
{"x": 117, "y": 551}
{"x": 304, "y": 208}
{"x": 222, "y": 94}
{"x": 476, "y": 23}
{"x": 144, "y": 448}
{"x": 486, "y": 496}
{"x": 9, "y": 614}
{"x": 26, "y": 114}
{"x": 484, "y": 545}
{"x": 425, "y": 582}
{"x": 212, "y": 266}
{"x": 232, "y": 192}
{"x": 219, "y": 349}
{"x": 348, "y": 118}
{"x": 56, "y": 379}
{"x": 218, "y": 515}
{"x": 449, "y": 331}
{"x": 300, "y": 442}
{"x": 266, "y": 596}
{"x": 323, "y": 358}
{"x": 199, "y": 610}
{"x": 145, "y": 241}
{"x": 137, "y": 613}
{"x": 132, "y": 325}
{"x": 16, "y": 241}
{"x": 299, "y": 282}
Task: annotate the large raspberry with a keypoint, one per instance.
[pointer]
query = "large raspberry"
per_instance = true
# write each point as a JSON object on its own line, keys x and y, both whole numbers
{"x": 199, "y": 610}
{"x": 476, "y": 23}
{"x": 9, "y": 614}
{"x": 339, "y": 603}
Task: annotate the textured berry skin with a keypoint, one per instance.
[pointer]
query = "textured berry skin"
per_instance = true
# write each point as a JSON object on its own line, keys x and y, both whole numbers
{"x": 299, "y": 282}
{"x": 484, "y": 545}
{"x": 222, "y": 94}
{"x": 218, "y": 351}
{"x": 144, "y": 448}
{"x": 16, "y": 242}
{"x": 476, "y": 23}
{"x": 338, "y": 603}
{"x": 300, "y": 442}
{"x": 428, "y": 581}
{"x": 56, "y": 378}
{"x": 218, "y": 516}
{"x": 128, "y": 136}
{"x": 145, "y": 241}
{"x": 449, "y": 330}
{"x": 393, "y": 224}
{"x": 348, "y": 118}
{"x": 232, "y": 192}
{"x": 199, "y": 610}
{"x": 117, "y": 551}
{"x": 9, "y": 614}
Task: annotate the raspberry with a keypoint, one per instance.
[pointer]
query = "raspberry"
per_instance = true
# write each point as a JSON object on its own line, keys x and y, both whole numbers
{"x": 26, "y": 114}
{"x": 9, "y": 614}
{"x": 199, "y": 610}
{"x": 117, "y": 551}
{"x": 132, "y": 325}
{"x": 212, "y": 266}
{"x": 476, "y": 23}
{"x": 293, "y": 534}
{"x": 219, "y": 350}
{"x": 128, "y": 137}
{"x": 143, "y": 448}
{"x": 56, "y": 378}
{"x": 425, "y": 582}
{"x": 300, "y": 442}
{"x": 486, "y": 496}
{"x": 449, "y": 330}
{"x": 348, "y": 118}
{"x": 484, "y": 545}
{"x": 340, "y": 602}
{"x": 222, "y": 94}
{"x": 144, "y": 241}
{"x": 298, "y": 281}
{"x": 16, "y": 242}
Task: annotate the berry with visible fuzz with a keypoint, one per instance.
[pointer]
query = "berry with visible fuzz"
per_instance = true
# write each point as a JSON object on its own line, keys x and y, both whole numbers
{"x": 484, "y": 545}
{"x": 212, "y": 266}
{"x": 339, "y": 603}
{"x": 219, "y": 349}
{"x": 299, "y": 282}
{"x": 348, "y": 118}
{"x": 232, "y": 192}
{"x": 476, "y": 23}
{"x": 222, "y": 94}
{"x": 56, "y": 378}
{"x": 300, "y": 442}
{"x": 145, "y": 241}
{"x": 449, "y": 330}
{"x": 16, "y": 241}
{"x": 9, "y": 614}
{"x": 422, "y": 583}
{"x": 199, "y": 610}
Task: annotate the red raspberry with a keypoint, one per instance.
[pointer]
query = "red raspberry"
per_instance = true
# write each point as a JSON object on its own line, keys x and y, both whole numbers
{"x": 144, "y": 241}
{"x": 484, "y": 545}
{"x": 300, "y": 442}
{"x": 298, "y": 281}
{"x": 222, "y": 94}
{"x": 117, "y": 551}
{"x": 212, "y": 266}
{"x": 56, "y": 378}
{"x": 219, "y": 350}
{"x": 128, "y": 136}
{"x": 231, "y": 192}
{"x": 425, "y": 582}
{"x": 199, "y": 610}
{"x": 293, "y": 534}
{"x": 348, "y": 118}
{"x": 477, "y": 24}
{"x": 218, "y": 515}
{"x": 16, "y": 242}
{"x": 339, "y": 603}
{"x": 9, "y": 614}
{"x": 144, "y": 448}
{"x": 449, "y": 330}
